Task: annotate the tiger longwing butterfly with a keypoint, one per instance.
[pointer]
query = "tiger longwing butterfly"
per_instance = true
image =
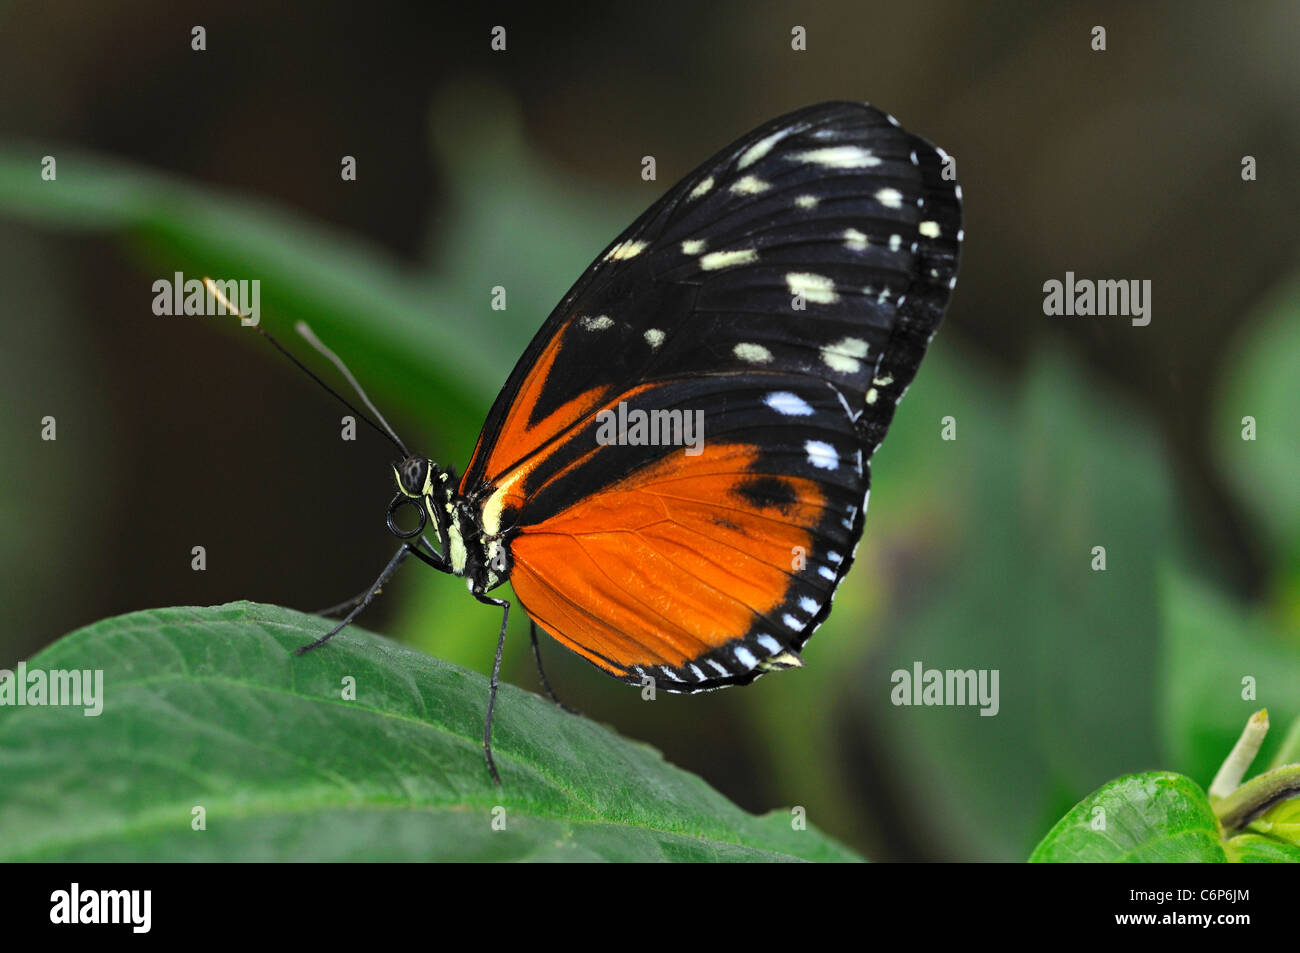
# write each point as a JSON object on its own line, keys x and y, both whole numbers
{"x": 787, "y": 289}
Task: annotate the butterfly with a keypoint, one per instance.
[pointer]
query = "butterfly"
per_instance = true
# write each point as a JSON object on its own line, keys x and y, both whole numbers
{"x": 675, "y": 475}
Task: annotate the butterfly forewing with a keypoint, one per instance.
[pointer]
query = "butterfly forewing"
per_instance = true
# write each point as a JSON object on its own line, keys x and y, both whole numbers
{"x": 785, "y": 291}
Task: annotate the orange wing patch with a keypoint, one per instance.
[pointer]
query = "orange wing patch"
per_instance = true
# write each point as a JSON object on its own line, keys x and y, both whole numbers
{"x": 669, "y": 564}
{"x": 516, "y": 439}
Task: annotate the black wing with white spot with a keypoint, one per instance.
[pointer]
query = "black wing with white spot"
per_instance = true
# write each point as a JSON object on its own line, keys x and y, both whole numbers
{"x": 787, "y": 288}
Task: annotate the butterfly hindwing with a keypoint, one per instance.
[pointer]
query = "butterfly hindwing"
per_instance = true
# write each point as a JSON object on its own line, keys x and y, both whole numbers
{"x": 784, "y": 292}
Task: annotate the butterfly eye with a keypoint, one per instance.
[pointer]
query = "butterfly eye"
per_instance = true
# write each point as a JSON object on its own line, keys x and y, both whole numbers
{"x": 413, "y": 471}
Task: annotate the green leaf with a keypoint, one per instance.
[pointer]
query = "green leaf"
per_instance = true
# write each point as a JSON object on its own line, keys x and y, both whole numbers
{"x": 1259, "y": 849}
{"x": 1274, "y": 837}
{"x": 1157, "y": 816}
{"x": 1210, "y": 646}
{"x": 208, "y": 707}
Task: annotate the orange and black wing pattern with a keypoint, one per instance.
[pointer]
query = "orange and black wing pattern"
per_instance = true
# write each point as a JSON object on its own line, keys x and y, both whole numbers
{"x": 680, "y": 461}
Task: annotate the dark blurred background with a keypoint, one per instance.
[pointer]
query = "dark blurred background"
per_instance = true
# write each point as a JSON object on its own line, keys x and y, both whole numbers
{"x": 478, "y": 168}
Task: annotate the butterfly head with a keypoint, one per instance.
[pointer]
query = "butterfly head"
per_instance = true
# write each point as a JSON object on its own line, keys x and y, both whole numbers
{"x": 416, "y": 476}
{"x": 433, "y": 494}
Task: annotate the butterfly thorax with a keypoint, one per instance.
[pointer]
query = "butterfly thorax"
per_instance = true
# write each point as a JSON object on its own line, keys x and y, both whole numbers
{"x": 481, "y": 559}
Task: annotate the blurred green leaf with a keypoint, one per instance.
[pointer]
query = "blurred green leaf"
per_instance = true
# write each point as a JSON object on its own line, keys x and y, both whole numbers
{"x": 1209, "y": 647}
{"x": 209, "y": 707}
{"x": 358, "y": 301}
{"x": 40, "y": 476}
{"x": 1025, "y": 495}
{"x": 1152, "y": 817}
{"x": 429, "y": 343}
{"x": 1263, "y": 383}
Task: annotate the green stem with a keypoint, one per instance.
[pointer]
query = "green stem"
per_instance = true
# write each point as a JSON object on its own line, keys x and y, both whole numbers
{"x": 1239, "y": 759}
{"x": 1256, "y": 796}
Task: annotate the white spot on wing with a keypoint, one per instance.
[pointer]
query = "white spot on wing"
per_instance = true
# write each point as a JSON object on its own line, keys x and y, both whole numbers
{"x": 692, "y": 246}
{"x": 626, "y": 250}
{"x": 793, "y": 623}
{"x": 760, "y": 148}
{"x": 808, "y": 605}
{"x": 749, "y": 186}
{"x": 806, "y": 201}
{"x": 929, "y": 229}
{"x": 753, "y": 353}
{"x": 843, "y": 355}
{"x": 600, "y": 322}
{"x": 654, "y": 337}
{"x": 890, "y": 198}
{"x": 821, "y": 455}
{"x": 839, "y": 157}
{"x": 816, "y": 288}
{"x": 744, "y": 656}
{"x": 854, "y": 239}
{"x": 895, "y": 242}
{"x": 701, "y": 189}
{"x": 769, "y": 643}
{"x": 727, "y": 259}
{"x": 791, "y": 405}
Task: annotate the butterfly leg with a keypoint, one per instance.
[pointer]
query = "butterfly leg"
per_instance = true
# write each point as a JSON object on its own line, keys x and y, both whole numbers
{"x": 345, "y": 605}
{"x": 504, "y": 606}
{"x": 371, "y": 591}
{"x": 541, "y": 673}
{"x": 364, "y": 600}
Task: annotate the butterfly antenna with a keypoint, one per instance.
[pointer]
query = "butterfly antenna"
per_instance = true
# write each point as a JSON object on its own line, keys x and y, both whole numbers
{"x": 310, "y": 337}
{"x": 315, "y": 342}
